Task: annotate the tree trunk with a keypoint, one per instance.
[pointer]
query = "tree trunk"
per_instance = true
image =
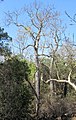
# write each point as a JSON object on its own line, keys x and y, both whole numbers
{"x": 51, "y": 88}
{"x": 51, "y": 75}
{"x": 65, "y": 89}
{"x": 37, "y": 78}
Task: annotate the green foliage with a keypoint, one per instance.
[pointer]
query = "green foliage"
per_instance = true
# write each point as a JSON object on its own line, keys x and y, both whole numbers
{"x": 32, "y": 68}
{"x": 15, "y": 94}
{"x": 4, "y": 42}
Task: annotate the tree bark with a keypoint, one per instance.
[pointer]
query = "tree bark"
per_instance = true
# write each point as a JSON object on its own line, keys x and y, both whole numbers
{"x": 37, "y": 83}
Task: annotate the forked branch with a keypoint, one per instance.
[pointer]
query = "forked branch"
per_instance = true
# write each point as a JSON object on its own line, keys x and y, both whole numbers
{"x": 64, "y": 81}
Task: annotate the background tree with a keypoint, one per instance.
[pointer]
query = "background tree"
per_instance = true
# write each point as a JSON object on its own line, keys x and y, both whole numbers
{"x": 4, "y": 43}
{"x": 68, "y": 63}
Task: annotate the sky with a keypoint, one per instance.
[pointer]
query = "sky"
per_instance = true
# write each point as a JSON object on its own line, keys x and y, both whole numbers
{"x": 60, "y": 5}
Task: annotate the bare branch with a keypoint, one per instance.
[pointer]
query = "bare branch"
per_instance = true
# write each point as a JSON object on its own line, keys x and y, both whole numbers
{"x": 26, "y": 28}
{"x": 69, "y": 75}
{"x": 65, "y": 81}
{"x": 56, "y": 80}
{"x": 32, "y": 88}
{"x": 56, "y": 40}
{"x": 44, "y": 55}
{"x": 70, "y": 17}
{"x": 40, "y": 29}
{"x": 30, "y": 14}
{"x": 72, "y": 84}
{"x": 33, "y": 23}
{"x": 27, "y": 47}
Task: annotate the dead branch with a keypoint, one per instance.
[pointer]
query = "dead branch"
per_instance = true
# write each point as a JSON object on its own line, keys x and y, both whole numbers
{"x": 28, "y": 30}
{"x": 69, "y": 75}
{"x": 44, "y": 55}
{"x": 32, "y": 89}
{"x": 70, "y": 17}
{"x": 27, "y": 47}
{"x": 64, "y": 81}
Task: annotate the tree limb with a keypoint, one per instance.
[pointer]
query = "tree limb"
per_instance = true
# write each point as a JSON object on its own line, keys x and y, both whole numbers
{"x": 66, "y": 81}
{"x": 27, "y": 47}
{"x": 28, "y": 30}
{"x": 69, "y": 75}
{"x": 70, "y": 17}
{"x": 32, "y": 88}
{"x": 44, "y": 55}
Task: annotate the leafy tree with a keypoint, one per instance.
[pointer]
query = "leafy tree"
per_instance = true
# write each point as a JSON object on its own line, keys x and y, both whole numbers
{"x": 4, "y": 43}
{"x": 15, "y": 95}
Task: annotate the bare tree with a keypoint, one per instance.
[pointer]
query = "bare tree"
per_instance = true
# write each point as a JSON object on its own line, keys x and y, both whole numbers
{"x": 68, "y": 52}
{"x": 40, "y": 25}
{"x": 52, "y": 48}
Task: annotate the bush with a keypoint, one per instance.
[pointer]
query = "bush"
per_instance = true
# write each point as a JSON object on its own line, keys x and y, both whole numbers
{"x": 15, "y": 94}
{"x": 55, "y": 107}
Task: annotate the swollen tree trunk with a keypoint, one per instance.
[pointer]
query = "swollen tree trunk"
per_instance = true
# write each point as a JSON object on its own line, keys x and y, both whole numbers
{"x": 37, "y": 82}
